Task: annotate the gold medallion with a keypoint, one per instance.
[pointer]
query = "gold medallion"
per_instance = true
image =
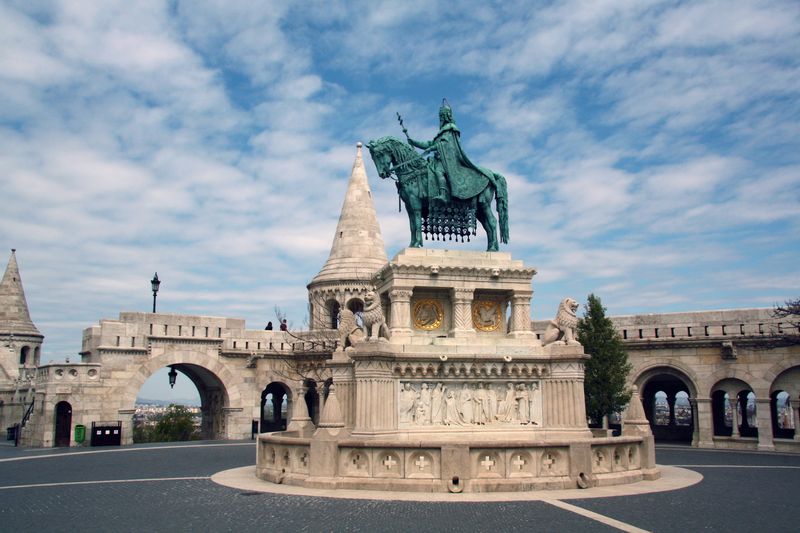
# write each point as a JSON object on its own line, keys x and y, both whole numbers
{"x": 428, "y": 314}
{"x": 486, "y": 315}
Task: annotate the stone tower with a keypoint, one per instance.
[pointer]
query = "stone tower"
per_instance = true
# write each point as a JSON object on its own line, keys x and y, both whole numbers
{"x": 20, "y": 340}
{"x": 356, "y": 254}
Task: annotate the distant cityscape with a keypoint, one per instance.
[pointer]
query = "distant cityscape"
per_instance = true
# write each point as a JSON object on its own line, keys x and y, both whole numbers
{"x": 149, "y": 412}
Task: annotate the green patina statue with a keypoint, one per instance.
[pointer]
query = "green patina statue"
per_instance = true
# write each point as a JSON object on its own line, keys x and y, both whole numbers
{"x": 445, "y": 193}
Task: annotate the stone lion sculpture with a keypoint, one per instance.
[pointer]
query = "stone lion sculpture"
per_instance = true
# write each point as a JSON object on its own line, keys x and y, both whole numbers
{"x": 562, "y": 328}
{"x": 374, "y": 321}
{"x": 349, "y": 331}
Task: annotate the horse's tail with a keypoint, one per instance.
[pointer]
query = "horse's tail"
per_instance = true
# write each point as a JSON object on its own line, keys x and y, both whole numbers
{"x": 501, "y": 198}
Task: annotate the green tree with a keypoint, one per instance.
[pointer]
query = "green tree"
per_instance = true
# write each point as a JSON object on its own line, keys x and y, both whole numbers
{"x": 176, "y": 424}
{"x": 608, "y": 368}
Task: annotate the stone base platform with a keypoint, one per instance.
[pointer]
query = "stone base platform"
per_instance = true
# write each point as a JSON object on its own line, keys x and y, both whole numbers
{"x": 443, "y": 465}
{"x": 671, "y": 478}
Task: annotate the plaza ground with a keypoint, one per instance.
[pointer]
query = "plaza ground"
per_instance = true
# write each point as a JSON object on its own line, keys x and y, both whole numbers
{"x": 169, "y": 488}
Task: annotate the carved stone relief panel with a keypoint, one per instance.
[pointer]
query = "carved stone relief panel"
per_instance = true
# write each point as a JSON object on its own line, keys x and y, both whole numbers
{"x": 601, "y": 460}
{"x": 354, "y": 462}
{"x": 428, "y": 314}
{"x": 520, "y": 464}
{"x": 488, "y": 463}
{"x": 553, "y": 462}
{"x": 422, "y": 464}
{"x": 301, "y": 459}
{"x": 487, "y": 315}
{"x": 388, "y": 464}
{"x": 456, "y": 404}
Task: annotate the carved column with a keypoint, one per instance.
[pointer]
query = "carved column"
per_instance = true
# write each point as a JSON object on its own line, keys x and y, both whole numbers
{"x": 733, "y": 401}
{"x": 702, "y": 422}
{"x": 462, "y": 313}
{"x": 521, "y": 314}
{"x": 400, "y": 314}
{"x": 376, "y": 396}
{"x": 342, "y": 373}
{"x": 300, "y": 419}
{"x": 764, "y": 423}
{"x": 796, "y": 417}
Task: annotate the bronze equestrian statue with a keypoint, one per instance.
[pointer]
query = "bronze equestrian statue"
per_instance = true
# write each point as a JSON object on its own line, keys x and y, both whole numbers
{"x": 445, "y": 193}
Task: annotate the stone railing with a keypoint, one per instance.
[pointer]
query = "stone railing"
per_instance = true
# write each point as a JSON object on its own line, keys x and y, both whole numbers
{"x": 68, "y": 373}
{"x": 695, "y": 326}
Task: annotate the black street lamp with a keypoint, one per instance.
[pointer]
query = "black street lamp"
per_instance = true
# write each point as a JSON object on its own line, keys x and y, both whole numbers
{"x": 154, "y": 283}
{"x": 173, "y": 375}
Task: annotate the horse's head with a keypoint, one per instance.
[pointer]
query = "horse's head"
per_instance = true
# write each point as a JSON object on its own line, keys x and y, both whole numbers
{"x": 381, "y": 154}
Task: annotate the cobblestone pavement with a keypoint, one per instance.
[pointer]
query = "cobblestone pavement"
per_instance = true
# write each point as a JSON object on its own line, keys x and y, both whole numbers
{"x": 166, "y": 488}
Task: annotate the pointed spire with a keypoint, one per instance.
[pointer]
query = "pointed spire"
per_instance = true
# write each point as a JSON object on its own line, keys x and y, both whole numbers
{"x": 357, "y": 250}
{"x": 14, "y": 315}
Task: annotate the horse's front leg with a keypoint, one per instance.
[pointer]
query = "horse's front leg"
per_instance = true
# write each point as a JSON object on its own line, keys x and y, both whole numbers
{"x": 487, "y": 219}
{"x": 414, "y": 219}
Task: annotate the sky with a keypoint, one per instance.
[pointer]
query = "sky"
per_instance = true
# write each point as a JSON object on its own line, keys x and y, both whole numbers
{"x": 651, "y": 148}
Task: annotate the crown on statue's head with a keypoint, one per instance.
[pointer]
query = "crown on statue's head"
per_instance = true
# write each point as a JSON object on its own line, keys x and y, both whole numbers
{"x": 446, "y": 112}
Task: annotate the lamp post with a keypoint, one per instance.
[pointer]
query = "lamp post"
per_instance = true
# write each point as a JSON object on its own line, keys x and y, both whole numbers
{"x": 173, "y": 375}
{"x": 154, "y": 283}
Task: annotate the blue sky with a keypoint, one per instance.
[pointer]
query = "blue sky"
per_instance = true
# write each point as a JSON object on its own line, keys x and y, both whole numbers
{"x": 652, "y": 148}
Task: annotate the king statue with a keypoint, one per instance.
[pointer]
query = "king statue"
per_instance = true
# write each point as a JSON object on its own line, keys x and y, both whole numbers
{"x": 449, "y": 163}
{"x": 445, "y": 194}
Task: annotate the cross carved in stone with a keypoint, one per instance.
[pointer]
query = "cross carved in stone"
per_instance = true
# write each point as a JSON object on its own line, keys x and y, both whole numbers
{"x": 598, "y": 458}
{"x": 357, "y": 462}
{"x": 616, "y": 457}
{"x": 421, "y": 463}
{"x": 304, "y": 459}
{"x": 548, "y": 461}
{"x": 389, "y": 462}
{"x": 519, "y": 462}
{"x": 286, "y": 457}
{"x": 487, "y": 463}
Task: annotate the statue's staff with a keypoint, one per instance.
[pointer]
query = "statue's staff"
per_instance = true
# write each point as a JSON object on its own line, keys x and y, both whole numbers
{"x": 400, "y": 120}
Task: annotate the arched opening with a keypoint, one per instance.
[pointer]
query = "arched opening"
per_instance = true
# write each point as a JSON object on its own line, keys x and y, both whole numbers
{"x": 37, "y": 356}
{"x": 782, "y": 415}
{"x": 201, "y": 396}
{"x": 23, "y": 355}
{"x": 63, "y": 424}
{"x": 274, "y": 407}
{"x": 312, "y": 400}
{"x": 721, "y": 414}
{"x": 332, "y": 308}
{"x": 747, "y": 414}
{"x": 666, "y": 397}
{"x": 733, "y": 409}
{"x": 356, "y": 305}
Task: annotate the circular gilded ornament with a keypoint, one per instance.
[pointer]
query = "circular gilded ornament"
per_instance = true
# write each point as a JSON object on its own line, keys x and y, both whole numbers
{"x": 428, "y": 314}
{"x": 486, "y": 315}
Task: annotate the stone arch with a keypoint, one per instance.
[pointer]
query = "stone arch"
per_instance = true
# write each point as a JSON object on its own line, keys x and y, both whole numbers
{"x": 755, "y": 384}
{"x": 355, "y": 304}
{"x": 332, "y": 308}
{"x": 276, "y": 406}
{"x": 37, "y": 355}
{"x": 62, "y": 423}
{"x": 24, "y": 352}
{"x": 787, "y": 370}
{"x": 669, "y": 366}
{"x": 219, "y": 389}
{"x": 737, "y": 391}
{"x": 659, "y": 384}
{"x": 785, "y": 385}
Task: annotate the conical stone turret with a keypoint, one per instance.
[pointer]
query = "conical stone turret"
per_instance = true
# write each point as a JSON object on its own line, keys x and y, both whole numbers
{"x": 20, "y": 340}
{"x": 357, "y": 252}
{"x": 14, "y": 316}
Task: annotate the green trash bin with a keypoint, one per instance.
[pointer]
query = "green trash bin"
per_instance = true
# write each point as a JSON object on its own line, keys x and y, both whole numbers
{"x": 80, "y": 433}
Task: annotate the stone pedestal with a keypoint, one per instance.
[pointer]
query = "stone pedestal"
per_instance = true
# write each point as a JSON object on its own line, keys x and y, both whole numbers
{"x": 460, "y": 398}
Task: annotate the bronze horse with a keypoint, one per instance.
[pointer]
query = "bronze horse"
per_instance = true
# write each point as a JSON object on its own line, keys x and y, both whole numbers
{"x": 416, "y": 185}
